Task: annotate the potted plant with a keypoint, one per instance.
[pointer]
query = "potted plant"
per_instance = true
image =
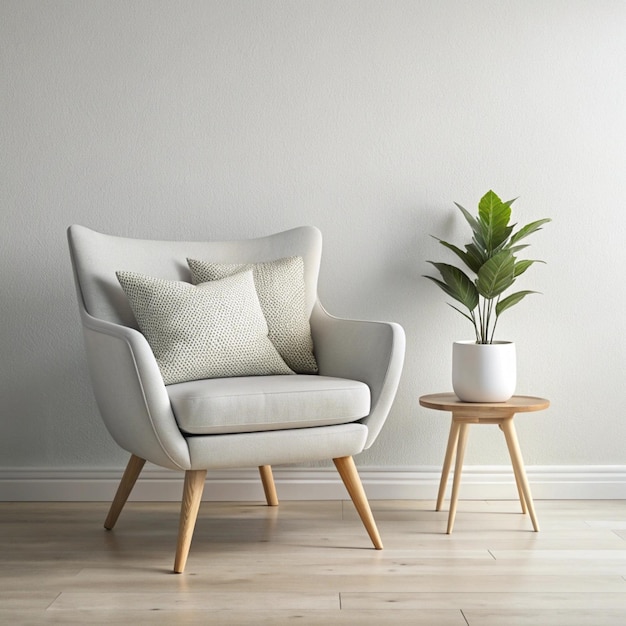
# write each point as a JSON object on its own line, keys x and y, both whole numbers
{"x": 483, "y": 370}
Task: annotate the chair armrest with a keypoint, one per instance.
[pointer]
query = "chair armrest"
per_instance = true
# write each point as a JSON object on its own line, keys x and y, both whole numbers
{"x": 131, "y": 395}
{"x": 369, "y": 351}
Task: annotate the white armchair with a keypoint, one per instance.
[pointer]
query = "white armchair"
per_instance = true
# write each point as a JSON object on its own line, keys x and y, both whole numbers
{"x": 247, "y": 421}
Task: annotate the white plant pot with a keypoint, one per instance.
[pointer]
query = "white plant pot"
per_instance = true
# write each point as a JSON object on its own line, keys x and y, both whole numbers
{"x": 484, "y": 372}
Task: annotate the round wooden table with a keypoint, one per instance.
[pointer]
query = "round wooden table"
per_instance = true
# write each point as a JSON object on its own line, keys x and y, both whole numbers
{"x": 466, "y": 413}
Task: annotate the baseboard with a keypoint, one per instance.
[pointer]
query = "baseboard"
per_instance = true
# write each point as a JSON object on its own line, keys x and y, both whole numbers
{"x": 401, "y": 483}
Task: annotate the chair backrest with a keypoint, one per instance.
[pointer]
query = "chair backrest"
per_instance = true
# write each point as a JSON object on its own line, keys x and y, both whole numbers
{"x": 96, "y": 257}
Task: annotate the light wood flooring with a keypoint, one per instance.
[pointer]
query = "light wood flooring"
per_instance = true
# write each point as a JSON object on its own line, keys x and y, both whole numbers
{"x": 312, "y": 563}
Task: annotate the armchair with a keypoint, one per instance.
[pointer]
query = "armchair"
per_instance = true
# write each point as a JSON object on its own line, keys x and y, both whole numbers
{"x": 226, "y": 422}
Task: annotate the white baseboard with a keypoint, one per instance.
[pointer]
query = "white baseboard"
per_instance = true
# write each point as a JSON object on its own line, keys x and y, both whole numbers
{"x": 392, "y": 483}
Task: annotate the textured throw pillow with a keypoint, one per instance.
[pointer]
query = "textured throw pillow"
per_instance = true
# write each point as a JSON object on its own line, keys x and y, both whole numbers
{"x": 280, "y": 287}
{"x": 211, "y": 330}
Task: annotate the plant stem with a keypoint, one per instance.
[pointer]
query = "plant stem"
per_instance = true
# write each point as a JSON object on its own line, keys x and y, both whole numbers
{"x": 485, "y": 321}
{"x": 495, "y": 322}
{"x": 475, "y": 326}
{"x": 490, "y": 339}
{"x": 493, "y": 332}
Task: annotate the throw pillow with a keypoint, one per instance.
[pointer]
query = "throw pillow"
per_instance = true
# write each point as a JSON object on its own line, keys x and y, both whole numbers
{"x": 280, "y": 287}
{"x": 211, "y": 330}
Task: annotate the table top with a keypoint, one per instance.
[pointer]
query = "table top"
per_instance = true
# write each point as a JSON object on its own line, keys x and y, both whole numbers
{"x": 517, "y": 404}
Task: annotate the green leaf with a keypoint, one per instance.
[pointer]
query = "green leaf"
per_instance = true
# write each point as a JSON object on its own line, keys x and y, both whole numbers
{"x": 460, "y": 253}
{"x": 471, "y": 220}
{"x": 496, "y": 275}
{"x": 516, "y": 249}
{"x": 522, "y": 266}
{"x": 456, "y": 284}
{"x": 476, "y": 226}
{"x": 494, "y": 216}
{"x": 528, "y": 229}
{"x": 449, "y": 290}
{"x": 476, "y": 257}
{"x": 509, "y": 301}
{"x": 503, "y": 245}
{"x": 463, "y": 313}
{"x": 479, "y": 241}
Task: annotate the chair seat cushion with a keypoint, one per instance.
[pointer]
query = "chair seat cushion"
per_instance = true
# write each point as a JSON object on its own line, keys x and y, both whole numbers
{"x": 261, "y": 403}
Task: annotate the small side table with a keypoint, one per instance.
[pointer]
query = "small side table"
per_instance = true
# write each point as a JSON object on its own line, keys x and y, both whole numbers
{"x": 466, "y": 413}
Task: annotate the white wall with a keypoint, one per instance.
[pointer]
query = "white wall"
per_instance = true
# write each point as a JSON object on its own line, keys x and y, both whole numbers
{"x": 223, "y": 119}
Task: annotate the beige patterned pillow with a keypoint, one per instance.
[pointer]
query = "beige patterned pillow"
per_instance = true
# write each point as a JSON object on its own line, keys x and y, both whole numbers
{"x": 212, "y": 330}
{"x": 280, "y": 287}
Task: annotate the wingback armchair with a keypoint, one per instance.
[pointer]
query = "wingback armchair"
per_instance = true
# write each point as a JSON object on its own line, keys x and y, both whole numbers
{"x": 331, "y": 404}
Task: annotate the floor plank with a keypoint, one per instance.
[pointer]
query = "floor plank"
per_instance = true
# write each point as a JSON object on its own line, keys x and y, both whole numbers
{"x": 511, "y": 601}
{"x": 236, "y": 617}
{"x": 193, "y": 601}
{"x": 548, "y": 617}
{"x": 312, "y": 563}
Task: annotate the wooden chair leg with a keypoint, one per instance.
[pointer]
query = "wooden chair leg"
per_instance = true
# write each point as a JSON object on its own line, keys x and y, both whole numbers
{"x": 131, "y": 473}
{"x": 192, "y": 494}
{"x": 267, "y": 478}
{"x": 350, "y": 477}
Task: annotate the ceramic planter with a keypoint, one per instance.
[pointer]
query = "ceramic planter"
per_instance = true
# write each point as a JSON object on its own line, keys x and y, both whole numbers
{"x": 483, "y": 372}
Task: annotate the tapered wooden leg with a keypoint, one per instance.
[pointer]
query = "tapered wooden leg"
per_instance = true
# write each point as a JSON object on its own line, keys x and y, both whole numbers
{"x": 192, "y": 494}
{"x": 458, "y": 468}
{"x": 453, "y": 437}
{"x": 518, "y": 484}
{"x": 129, "y": 478}
{"x": 520, "y": 492}
{"x": 350, "y": 477}
{"x": 518, "y": 467}
{"x": 267, "y": 478}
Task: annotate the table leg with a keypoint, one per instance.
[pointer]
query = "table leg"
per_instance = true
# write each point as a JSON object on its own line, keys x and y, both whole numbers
{"x": 518, "y": 467}
{"x": 458, "y": 468}
{"x": 518, "y": 484}
{"x": 520, "y": 493}
{"x": 453, "y": 437}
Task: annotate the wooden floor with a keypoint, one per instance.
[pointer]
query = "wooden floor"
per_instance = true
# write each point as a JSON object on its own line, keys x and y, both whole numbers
{"x": 311, "y": 563}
